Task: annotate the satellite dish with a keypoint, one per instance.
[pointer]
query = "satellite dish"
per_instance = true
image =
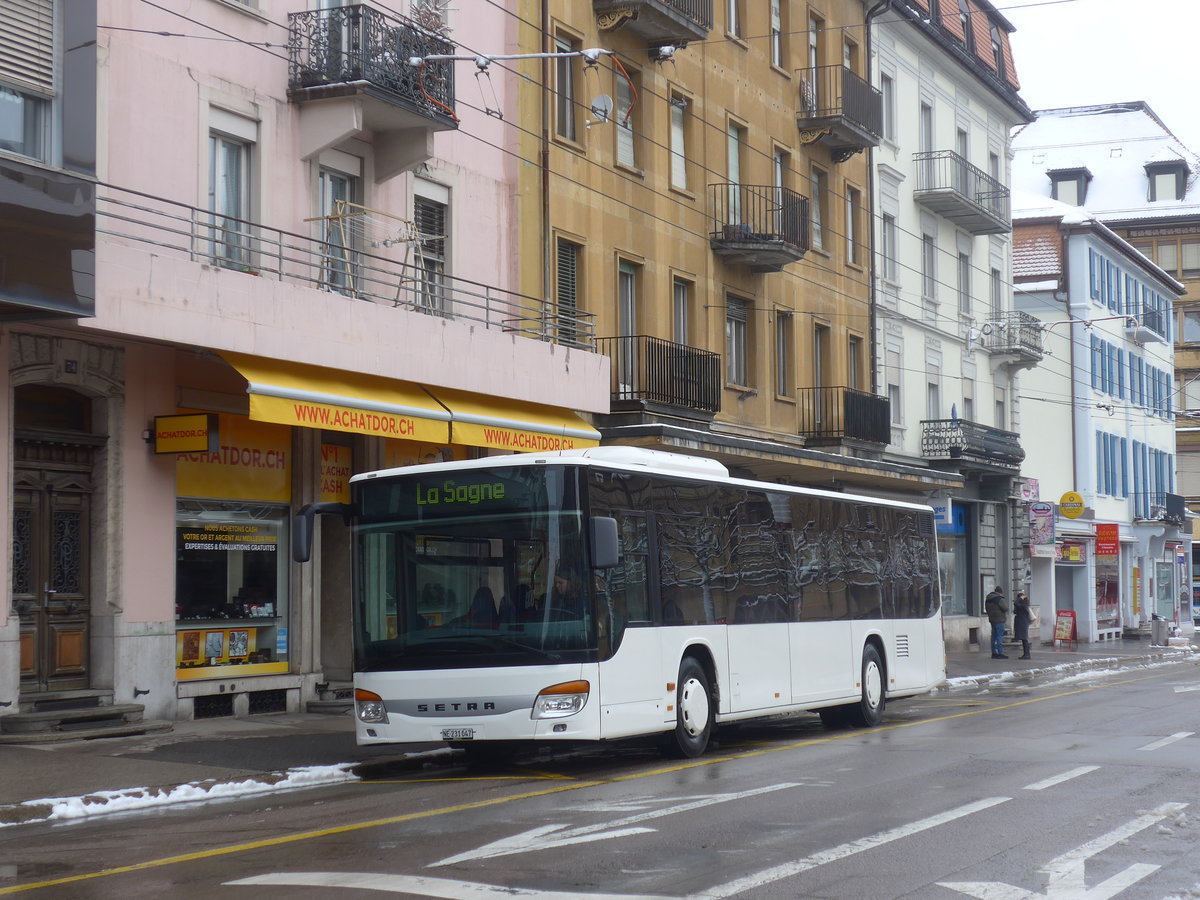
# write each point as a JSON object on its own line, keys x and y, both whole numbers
{"x": 602, "y": 108}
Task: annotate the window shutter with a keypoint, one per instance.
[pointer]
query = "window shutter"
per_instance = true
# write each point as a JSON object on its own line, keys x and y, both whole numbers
{"x": 430, "y": 219}
{"x": 27, "y": 43}
{"x": 568, "y": 277}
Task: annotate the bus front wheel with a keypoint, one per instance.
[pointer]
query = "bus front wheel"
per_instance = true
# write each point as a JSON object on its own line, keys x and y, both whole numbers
{"x": 868, "y": 712}
{"x": 694, "y": 712}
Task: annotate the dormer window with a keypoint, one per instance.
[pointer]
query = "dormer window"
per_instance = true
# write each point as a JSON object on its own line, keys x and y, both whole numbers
{"x": 964, "y": 16}
{"x": 1167, "y": 180}
{"x": 1070, "y": 186}
{"x": 998, "y": 51}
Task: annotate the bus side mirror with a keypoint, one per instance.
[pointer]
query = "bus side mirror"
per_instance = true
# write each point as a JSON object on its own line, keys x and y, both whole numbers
{"x": 606, "y": 546}
{"x": 302, "y": 526}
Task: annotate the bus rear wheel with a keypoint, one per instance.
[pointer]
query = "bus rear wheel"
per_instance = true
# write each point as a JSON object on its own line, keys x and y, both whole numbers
{"x": 868, "y": 712}
{"x": 694, "y": 712}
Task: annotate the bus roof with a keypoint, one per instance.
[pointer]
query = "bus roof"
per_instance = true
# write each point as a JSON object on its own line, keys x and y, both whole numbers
{"x": 633, "y": 459}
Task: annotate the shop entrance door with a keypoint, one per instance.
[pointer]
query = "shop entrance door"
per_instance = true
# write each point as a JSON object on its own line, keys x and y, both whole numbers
{"x": 51, "y": 540}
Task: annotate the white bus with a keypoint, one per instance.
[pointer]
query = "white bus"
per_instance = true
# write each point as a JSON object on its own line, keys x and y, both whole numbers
{"x": 607, "y": 593}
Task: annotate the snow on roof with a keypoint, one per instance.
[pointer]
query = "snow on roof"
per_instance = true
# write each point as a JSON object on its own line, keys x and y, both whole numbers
{"x": 1114, "y": 142}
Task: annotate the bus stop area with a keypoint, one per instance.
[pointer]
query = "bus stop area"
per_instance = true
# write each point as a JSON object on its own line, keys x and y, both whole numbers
{"x": 232, "y": 757}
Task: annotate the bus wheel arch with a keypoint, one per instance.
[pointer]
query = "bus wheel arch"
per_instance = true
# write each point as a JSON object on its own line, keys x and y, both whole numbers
{"x": 868, "y": 712}
{"x": 696, "y": 699}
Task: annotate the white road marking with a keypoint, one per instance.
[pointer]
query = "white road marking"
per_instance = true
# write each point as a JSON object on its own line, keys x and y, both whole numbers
{"x": 787, "y": 870}
{"x": 1059, "y": 779}
{"x": 551, "y": 836}
{"x": 1177, "y": 736}
{"x": 420, "y": 886}
{"x": 1066, "y": 880}
{"x": 1190, "y": 687}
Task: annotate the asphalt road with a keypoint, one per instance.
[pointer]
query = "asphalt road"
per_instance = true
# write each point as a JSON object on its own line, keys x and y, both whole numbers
{"x": 1088, "y": 789}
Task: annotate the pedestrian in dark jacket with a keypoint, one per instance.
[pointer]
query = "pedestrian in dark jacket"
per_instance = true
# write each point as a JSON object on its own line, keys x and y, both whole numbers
{"x": 996, "y": 607}
{"x": 1022, "y": 616}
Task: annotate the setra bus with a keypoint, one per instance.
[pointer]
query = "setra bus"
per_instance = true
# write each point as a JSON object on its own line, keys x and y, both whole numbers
{"x": 614, "y": 592}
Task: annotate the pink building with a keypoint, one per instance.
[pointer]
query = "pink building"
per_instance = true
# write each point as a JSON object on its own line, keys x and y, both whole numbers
{"x": 283, "y": 224}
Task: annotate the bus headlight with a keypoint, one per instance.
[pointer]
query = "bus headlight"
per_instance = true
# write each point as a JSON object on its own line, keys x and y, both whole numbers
{"x": 370, "y": 707}
{"x": 561, "y": 700}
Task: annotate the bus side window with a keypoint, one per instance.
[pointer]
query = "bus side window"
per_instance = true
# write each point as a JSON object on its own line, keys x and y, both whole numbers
{"x": 626, "y": 582}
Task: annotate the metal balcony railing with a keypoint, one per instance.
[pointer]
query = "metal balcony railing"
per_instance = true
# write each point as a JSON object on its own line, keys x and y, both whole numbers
{"x": 361, "y": 44}
{"x": 763, "y": 226}
{"x": 842, "y": 413}
{"x": 958, "y": 439}
{"x": 963, "y": 193}
{"x": 1147, "y": 324}
{"x": 834, "y": 95}
{"x": 649, "y": 368}
{"x": 383, "y": 274}
{"x": 1014, "y": 332}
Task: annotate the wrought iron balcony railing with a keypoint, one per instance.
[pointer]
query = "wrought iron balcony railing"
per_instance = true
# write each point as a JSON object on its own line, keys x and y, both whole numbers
{"x": 958, "y": 439}
{"x": 649, "y": 368}
{"x": 658, "y": 21}
{"x": 382, "y": 274}
{"x": 353, "y": 48}
{"x": 839, "y": 109}
{"x": 1147, "y": 324}
{"x": 842, "y": 413}
{"x": 1014, "y": 332}
{"x": 762, "y": 226}
{"x": 969, "y": 196}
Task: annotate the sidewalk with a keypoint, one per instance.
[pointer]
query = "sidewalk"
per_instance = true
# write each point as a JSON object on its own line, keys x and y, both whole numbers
{"x": 241, "y": 757}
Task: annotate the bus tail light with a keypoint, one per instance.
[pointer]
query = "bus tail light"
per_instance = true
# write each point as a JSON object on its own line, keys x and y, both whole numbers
{"x": 561, "y": 700}
{"x": 370, "y": 706}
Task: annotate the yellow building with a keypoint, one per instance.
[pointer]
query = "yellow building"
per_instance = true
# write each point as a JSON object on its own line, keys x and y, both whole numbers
{"x": 703, "y": 191}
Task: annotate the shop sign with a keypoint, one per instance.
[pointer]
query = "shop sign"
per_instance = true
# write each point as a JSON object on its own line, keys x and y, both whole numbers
{"x": 1041, "y": 523}
{"x": 253, "y": 462}
{"x": 1030, "y": 490}
{"x": 1108, "y": 540}
{"x": 1043, "y": 551}
{"x": 191, "y": 433}
{"x": 335, "y": 473}
{"x": 943, "y": 511}
{"x": 1071, "y": 505}
{"x": 1071, "y": 552}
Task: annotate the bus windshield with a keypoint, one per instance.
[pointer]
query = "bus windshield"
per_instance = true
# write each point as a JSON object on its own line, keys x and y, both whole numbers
{"x": 472, "y": 569}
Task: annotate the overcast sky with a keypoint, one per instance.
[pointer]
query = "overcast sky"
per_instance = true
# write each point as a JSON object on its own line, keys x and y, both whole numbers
{"x": 1081, "y": 52}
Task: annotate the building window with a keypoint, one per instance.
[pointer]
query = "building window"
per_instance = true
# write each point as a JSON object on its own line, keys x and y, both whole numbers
{"x": 964, "y": 283}
{"x": 964, "y": 17}
{"x": 681, "y": 311}
{"x": 887, "y": 90}
{"x": 734, "y": 11}
{"x": 819, "y": 210}
{"x": 933, "y": 400}
{"x": 229, "y": 198}
{"x": 997, "y": 283}
{"x": 1167, "y": 180}
{"x": 853, "y": 215}
{"x": 737, "y": 370}
{"x": 887, "y": 246}
{"x": 340, "y": 229}
{"x": 784, "y": 342}
{"x": 968, "y": 410}
{"x": 735, "y": 139}
{"x": 997, "y": 51}
{"x": 1191, "y": 259}
{"x": 679, "y": 112}
{"x": 815, "y": 26}
{"x": 627, "y": 324}
{"x": 777, "y": 48}
{"x": 854, "y": 363}
{"x": 27, "y": 60}
{"x": 23, "y": 122}
{"x": 820, "y": 356}
{"x": 928, "y": 266}
{"x": 892, "y": 377}
{"x": 566, "y": 290}
{"x": 1001, "y": 409}
{"x": 566, "y": 71}
{"x": 626, "y": 121}
{"x": 1070, "y": 186}
{"x": 430, "y": 219}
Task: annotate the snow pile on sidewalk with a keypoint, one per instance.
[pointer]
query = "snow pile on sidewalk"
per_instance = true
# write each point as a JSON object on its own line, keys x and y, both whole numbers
{"x": 108, "y": 802}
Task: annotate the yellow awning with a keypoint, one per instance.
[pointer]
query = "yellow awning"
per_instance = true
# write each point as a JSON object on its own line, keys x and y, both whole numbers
{"x": 316, "y": 397}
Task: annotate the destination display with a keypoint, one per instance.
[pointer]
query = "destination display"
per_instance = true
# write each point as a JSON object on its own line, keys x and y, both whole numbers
{"x": 466, "y": 493}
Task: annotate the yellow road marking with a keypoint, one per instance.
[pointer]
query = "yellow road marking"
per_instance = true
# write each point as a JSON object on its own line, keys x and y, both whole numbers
{"x": 529, "y": 795}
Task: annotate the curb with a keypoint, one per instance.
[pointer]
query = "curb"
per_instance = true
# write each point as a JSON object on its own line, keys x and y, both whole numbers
{"x": 1114, "y": 663}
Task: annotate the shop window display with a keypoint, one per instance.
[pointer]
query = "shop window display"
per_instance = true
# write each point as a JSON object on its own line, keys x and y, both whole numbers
{"x": 230, "y": 588}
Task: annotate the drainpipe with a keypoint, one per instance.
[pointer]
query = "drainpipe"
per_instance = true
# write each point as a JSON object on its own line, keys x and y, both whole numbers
{"x": 872, "y": 293}
{"x": 547, "y": 256}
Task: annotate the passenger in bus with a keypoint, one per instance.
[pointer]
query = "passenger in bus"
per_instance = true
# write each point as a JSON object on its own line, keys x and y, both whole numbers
{"x": 565, "y": 595}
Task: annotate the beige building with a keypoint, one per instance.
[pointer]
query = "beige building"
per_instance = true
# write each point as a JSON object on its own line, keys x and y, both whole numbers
{"x": 704, "y": 193}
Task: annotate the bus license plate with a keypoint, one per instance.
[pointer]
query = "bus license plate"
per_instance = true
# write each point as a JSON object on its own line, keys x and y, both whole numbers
{"x": 458, "y": 734}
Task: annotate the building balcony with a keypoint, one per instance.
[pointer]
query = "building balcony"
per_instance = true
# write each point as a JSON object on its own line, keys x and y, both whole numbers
{"x": 759, "y": 226}
{"x": 648, "y": 370}
{"x": 354, "y": 64}
{"x": 839, "y": 110}
{"x": 1147, "y": 325}
{"x": 658, "y": 21}
{"x": 381, "y": 274}
{"x": 1016, "y": 336}
{"x": 950, "y": 186}
{"x": 47, "y": 244}
{"x": 971, "y": 445}
{"x": 830, "y": 415}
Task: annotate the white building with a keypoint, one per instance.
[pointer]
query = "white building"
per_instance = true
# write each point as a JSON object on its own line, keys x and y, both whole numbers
{"x": 949, "y": 344}
{"x": 1101, "y": 408}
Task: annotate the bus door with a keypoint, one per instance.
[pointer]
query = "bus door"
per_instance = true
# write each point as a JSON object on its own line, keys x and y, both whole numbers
{"x": 631, "y": 688}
